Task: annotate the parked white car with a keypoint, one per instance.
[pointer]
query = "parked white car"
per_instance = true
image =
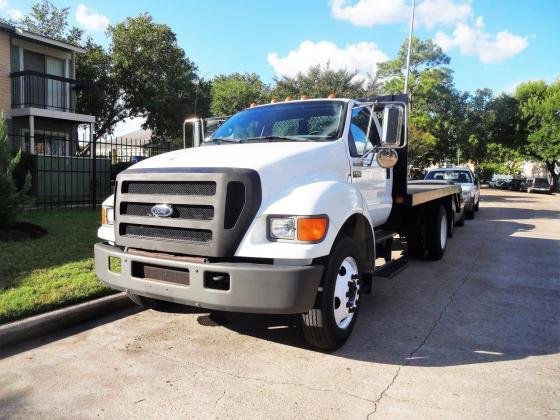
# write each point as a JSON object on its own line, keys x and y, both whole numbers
{"x": 466, "y": 179}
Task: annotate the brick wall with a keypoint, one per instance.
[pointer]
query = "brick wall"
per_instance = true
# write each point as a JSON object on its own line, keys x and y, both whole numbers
{"x": 5, "y": 81}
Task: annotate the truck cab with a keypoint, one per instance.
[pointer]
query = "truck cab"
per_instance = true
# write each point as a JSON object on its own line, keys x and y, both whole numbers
{"x": 276, "y": 211}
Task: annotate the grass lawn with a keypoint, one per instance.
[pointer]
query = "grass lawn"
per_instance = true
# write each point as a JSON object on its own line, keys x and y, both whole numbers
{"x": 37, "y": 275}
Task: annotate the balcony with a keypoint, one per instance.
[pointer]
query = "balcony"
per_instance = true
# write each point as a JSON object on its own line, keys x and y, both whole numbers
{"x": 31, "y": 89}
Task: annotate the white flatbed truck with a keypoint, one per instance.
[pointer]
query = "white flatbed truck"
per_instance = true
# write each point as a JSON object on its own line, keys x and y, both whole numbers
{"x": 283, "y": 210}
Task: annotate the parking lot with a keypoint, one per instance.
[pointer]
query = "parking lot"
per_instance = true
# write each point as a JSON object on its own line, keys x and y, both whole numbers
{"x": 474, "y": 335}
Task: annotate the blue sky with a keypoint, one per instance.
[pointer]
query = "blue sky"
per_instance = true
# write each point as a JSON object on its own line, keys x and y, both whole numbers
{"x": 492, "y": 43}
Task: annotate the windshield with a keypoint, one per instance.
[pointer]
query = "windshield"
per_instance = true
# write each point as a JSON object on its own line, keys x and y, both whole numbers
{"x": 297, "y": 121}
{"x": 462, "y": 177}
{"x": 541, "y": 181}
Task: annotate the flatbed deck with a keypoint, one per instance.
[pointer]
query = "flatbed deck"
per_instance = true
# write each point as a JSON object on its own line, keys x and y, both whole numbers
{"x": 419, "y": 192}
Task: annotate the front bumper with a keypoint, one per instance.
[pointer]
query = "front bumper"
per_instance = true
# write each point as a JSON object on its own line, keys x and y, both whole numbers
{"x": 254, "y": 288}
{"x": 469, "y": 203}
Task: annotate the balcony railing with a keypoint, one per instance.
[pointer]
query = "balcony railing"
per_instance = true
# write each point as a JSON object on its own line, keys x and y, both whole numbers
{"x": 41, "y": 90}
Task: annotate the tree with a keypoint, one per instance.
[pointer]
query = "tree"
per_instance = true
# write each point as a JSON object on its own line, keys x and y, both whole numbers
{"x": 233, "y": 92}
{"x": 539, "y": 105}
{"x": 143, "y": 73}
{"x": 11, "y": 199}
{"x": 107, "y": 100}
{"x": 320, "y": 82}
{"x": 501, "y": 159}
{"x": 48, "y": 20}
{"x": 426, "y": 58}
{"x": 437, "y": 108}
{"x": 158, "y": 81}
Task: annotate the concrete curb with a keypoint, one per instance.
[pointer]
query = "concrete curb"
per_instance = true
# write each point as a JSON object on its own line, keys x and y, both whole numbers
{"x": 39, "y": 325}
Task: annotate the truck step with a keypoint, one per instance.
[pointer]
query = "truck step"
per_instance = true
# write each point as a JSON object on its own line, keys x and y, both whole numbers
{"x": 391, "y": 269}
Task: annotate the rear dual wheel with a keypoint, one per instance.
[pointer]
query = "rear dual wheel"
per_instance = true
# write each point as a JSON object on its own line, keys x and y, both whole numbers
{"x": 436, "y": 234}
{"x": 428, "y": 233}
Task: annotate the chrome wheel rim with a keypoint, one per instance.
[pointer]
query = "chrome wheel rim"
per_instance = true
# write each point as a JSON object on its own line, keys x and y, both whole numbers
{"x": 443, "y": 231}
{"x": 346, "y": 292}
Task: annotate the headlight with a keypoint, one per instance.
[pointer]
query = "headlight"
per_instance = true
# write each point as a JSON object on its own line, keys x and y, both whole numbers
{"x": 107, "y": 215}
{"x": 301, "y": 228}
{"x": 282, "y": 227}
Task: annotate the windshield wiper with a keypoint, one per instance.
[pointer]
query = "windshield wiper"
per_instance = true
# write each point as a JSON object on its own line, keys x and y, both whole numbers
{"x": 219, "y": 140}
{"x": 272, "y": 139}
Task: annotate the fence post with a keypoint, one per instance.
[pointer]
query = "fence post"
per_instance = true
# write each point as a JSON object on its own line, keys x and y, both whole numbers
{"x": 93, "y": 151}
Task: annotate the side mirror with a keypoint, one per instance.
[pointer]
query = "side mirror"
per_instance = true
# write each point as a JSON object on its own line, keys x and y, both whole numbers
{"x": 393, "y": 117}
{"x": 197, "y": 131}
{"x": 387, "y": 158}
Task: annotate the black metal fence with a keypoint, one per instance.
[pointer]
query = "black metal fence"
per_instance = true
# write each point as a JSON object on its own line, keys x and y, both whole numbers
{"x": 68, "y": 172}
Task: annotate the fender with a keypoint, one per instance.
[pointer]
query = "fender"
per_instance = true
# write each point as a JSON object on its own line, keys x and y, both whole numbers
{"x": 339, "y": 200}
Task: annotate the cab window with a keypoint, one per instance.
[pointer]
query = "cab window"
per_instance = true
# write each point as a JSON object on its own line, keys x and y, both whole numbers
{"x": 357, "y": 135}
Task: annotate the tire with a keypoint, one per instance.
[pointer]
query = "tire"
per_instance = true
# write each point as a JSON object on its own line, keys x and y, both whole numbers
{"x": 461, "y": 221}
{"x": 329, "y": 324}
{"x": 415, "y": 236}
{"x": 451, "y": 222}
{"x": 470, "y": 214}
{"x": 436, "y": 233}
{"x": 476, "y": 206}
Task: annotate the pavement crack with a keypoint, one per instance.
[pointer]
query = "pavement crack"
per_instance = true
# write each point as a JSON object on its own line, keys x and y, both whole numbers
{"x": 260, "y": 380}
{"x": 422, "y": 343}
{"x": 219, "y": 398}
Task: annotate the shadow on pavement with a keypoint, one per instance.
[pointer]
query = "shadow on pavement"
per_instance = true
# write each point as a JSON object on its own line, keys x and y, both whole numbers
{"x": 494, "y": 297}
{"x": 496, "y": 308}
{"x": 68, "y": 332}
{"x": 497, "y": 214}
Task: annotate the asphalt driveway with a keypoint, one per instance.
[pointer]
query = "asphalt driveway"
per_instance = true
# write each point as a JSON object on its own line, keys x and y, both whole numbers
{"x": 474, "y": 335}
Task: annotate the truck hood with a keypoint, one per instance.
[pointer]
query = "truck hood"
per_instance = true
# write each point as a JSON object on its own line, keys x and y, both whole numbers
{"x": 255, "y": 156}
{"x": 282, "y": 167}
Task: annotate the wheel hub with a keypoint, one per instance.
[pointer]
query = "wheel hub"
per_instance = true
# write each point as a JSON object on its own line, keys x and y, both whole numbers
{"x": 346, "y": 293}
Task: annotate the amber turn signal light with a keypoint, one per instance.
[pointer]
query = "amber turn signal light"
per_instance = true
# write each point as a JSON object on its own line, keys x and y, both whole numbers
{"x": 312, "y": 229}
{"x": 103, "y": 216}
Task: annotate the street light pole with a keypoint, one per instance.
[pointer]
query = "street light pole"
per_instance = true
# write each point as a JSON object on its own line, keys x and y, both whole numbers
{"x": 184, "y": 135}
{"x": 411, "y": 29}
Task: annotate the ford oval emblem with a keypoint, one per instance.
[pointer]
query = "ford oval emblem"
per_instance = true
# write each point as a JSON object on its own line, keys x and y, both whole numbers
{"x": 161, "y": 210}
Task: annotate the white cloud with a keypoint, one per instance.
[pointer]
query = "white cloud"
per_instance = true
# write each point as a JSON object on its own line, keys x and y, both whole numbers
{"x": 362, "y": 57}
{"x": 374, "y": 12}
{"x": 474, "y": 40}
{"x": 90, "y": 20}
{"x": 433, "y": 12}
{"x": 12, "y": 13}
{"x": 369, "y": 12}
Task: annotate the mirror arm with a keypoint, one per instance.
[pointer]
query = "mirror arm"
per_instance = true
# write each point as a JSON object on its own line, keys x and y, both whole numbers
{"x": 361, "y": 159}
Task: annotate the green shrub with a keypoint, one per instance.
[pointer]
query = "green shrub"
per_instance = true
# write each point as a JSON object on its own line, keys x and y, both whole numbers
{"x": 12, "y": 199}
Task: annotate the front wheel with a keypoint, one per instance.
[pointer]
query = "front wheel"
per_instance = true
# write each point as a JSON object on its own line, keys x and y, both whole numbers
{"x": 329, "y": 324}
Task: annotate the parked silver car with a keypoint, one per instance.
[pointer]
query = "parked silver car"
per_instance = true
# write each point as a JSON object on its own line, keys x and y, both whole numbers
{"x": 468, "y": 181}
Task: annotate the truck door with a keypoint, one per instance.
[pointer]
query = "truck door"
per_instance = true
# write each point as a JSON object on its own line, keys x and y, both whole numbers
{"x": 373, "y": 181}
